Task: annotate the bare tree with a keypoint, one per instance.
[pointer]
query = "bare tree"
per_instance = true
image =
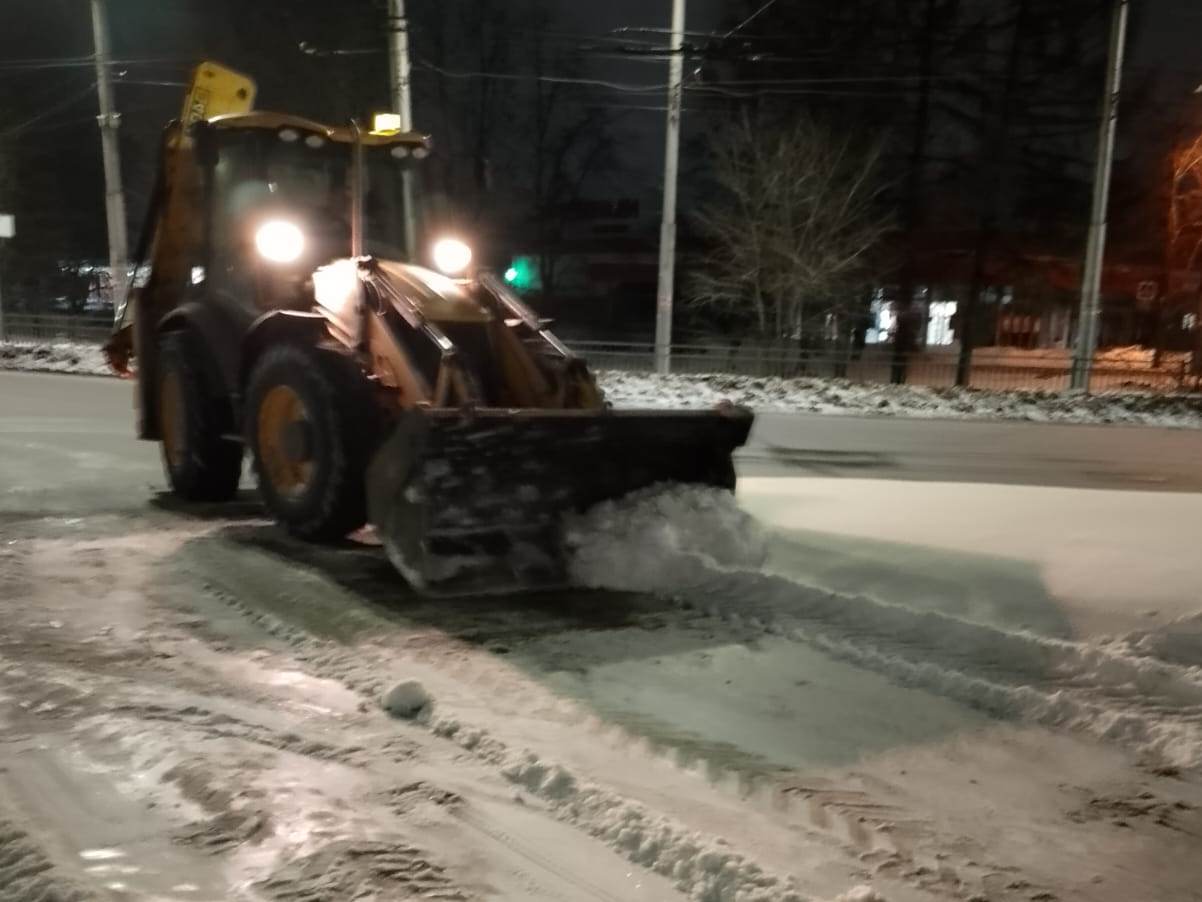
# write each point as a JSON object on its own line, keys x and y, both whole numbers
{"x": 792, "y": 229}
{"x": 1183, "y": 244}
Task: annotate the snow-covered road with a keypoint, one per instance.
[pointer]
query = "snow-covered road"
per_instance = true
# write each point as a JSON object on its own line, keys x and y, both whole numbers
{"x": 927, "y": 657}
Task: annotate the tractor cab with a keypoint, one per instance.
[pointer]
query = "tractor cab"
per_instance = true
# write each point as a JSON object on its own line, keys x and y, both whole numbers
{"x": 280, "y": 197}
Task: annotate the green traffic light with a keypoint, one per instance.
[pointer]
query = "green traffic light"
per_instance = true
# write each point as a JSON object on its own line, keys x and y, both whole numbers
{"x": 521, "y": 274}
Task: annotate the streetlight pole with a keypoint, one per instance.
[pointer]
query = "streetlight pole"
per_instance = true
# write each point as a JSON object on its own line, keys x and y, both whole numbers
{"x": 667, "y": 236}
{"x": 398, "y": 43}
{"x": 110, "y": 122}
{"x": 8, "y": 229}
{"x": 402, "y": 103}
{"x": 1095, "y": 251}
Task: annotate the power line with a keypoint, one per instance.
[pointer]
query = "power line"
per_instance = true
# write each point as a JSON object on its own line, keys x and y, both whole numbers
{"x": 745, "y": 88}
{"x": 553, "y": 79}
{"x": 50, "y": 111}
{"x": 22, "y": 66}
{"x": 150, "y": 83}
{"x": 755, "y": 15}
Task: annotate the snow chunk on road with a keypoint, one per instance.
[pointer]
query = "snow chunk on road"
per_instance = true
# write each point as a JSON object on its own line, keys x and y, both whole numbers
{"x": 657, "y": 539}
{"x": 802, "y": 395}
{"x": 408, "y": 699}
{"x": 861, "y": 893}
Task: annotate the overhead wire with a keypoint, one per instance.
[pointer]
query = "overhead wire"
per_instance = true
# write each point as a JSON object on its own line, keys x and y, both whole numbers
{"x": 49, "y": 111}
{"x": 554, "y": 79}
{"x": 755, "y": 15}
{"x": 23, "y": 66}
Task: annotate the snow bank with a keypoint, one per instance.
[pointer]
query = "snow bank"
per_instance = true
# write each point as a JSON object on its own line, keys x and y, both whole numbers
{"x": 840, "y": 396}
{"x": 60, "y": 357}
{"x": 773, "y": 394}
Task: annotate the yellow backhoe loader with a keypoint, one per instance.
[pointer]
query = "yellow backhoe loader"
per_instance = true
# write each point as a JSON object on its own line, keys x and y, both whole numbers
{"x": 286, "y": 311}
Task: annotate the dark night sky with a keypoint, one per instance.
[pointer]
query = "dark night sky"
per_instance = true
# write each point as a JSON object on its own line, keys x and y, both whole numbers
{"x": 1168, "y": 39}
{"x": 1172, "y": 33}
{"x": 169, "y": 28}
{"x": 1169, "y": 35}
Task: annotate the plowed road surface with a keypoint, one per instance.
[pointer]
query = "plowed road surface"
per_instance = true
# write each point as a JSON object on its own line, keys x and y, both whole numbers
{"x": 965, "y": 665}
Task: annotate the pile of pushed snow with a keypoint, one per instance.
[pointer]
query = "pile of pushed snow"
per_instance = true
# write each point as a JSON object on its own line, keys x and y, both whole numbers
{"x": 770, "y": 393}
{"x": 660, "y": 538}
{"x": 59, "y": 357}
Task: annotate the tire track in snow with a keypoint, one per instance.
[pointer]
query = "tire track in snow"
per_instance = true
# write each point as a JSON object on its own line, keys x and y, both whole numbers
{"x": 697, "y": 546}
{"x": 703, "y": 867}
{"x": 26, "y": 871}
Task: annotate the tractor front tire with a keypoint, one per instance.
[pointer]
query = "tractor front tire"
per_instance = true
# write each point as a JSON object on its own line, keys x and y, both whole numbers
{"x": 311, "y": 431}
{"x": 201, "y": 463}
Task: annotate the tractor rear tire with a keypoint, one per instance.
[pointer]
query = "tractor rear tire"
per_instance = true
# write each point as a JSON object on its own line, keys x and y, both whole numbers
{"x": 311, "y": 429}
{"x": 201, "y": 463}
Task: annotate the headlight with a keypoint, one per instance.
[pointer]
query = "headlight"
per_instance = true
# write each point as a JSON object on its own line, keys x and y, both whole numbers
{"x": 452, "y": 256}
{"x": 280, "y": 241}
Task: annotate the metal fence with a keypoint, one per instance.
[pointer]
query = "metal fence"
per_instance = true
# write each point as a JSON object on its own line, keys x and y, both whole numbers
{"x": 999, "y": 369}
{"x": 992, "y": 368}
{"x": 56, "y": 327}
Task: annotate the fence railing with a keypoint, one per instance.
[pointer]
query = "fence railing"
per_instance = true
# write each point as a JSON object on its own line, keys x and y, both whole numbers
{"x": 999, "y": 369}
{"x": 992, "y": 368}
{"x": 56, "y": 327}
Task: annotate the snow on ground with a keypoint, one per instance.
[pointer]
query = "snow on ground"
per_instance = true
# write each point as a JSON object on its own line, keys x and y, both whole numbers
{"x": 625, "y": 389}
{"x": 57, "y": 357}
{"x": 835, "y": 396}
{"x": 696, "y": 544}
{"x": 830, "y": 688}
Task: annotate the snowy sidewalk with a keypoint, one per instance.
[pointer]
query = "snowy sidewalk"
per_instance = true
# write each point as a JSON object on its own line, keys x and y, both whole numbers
{"x": 59, "y": 357}
{"x": 837, "y": 396}
{"x": 831, "y": 396}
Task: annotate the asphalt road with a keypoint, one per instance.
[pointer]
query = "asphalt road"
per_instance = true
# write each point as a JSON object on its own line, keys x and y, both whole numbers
{"x": 1016, "y": 453}
{"x": 89, "y": 420}
{"x": 832, "y": 705}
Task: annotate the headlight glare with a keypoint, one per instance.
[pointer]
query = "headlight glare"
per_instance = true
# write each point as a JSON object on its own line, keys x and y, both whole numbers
{"x": 280, "y": 241}
{"x": 452, "y": 256}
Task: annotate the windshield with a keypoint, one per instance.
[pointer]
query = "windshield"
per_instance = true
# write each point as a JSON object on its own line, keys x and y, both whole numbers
{"x": 259, "y": 175}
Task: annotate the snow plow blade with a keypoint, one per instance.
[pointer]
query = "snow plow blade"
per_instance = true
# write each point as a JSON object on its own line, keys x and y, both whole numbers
{"x": 471, "y": 501}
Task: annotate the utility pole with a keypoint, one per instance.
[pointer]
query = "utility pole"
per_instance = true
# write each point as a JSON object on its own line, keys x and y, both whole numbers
{"x": 1095, "y": 250}
{"x": 402, "y": 97}
{"x": 8, "y": 229}
{"x": 402, "y": 103}
{"x": 110, "y": 122}
{"x": 667, "y": 235}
